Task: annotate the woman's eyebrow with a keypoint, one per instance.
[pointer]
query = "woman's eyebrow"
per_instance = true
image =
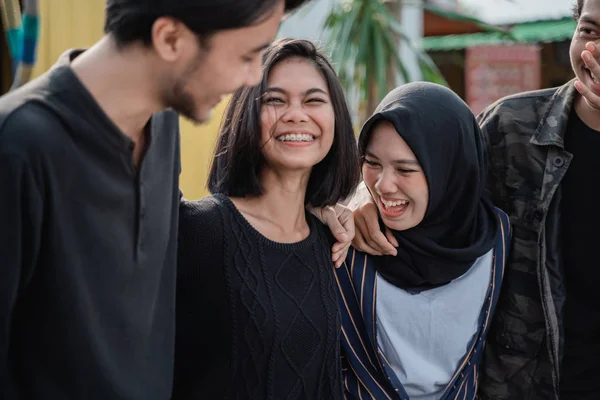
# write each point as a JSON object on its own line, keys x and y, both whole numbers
{"x": 399, "y": 161}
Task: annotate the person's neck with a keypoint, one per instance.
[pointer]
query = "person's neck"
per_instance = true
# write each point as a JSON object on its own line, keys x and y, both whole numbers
{"x": 590, "y": 116}
{"x": 120, "y": 80}
{"x": 279, "y": 213}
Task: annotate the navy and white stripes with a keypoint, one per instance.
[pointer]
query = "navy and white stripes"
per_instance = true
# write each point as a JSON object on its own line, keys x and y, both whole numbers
{"x": 367, "y": 373}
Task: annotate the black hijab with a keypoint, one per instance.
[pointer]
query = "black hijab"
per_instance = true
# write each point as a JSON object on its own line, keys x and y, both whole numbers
{"x": 460, "y": 224}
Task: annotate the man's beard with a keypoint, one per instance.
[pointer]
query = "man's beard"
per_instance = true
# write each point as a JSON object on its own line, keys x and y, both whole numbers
{"x": 183, "y": 103}
{"x": 180, "y": 100}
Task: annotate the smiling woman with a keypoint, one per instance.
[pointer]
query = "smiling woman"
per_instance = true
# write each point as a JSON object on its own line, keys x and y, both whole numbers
{"x": 415, "y": 322}
{"x": 312, "y": 101}
{"x": 395, "y": 179}
{"x": 251, "y": 250}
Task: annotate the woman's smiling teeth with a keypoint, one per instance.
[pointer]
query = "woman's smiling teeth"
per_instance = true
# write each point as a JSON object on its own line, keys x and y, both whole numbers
{"x": 296, "y": 137}
{"x": 390, "y": 204}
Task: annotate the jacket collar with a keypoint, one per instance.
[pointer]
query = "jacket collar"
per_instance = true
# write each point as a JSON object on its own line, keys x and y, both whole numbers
{"x": 552, "y": 126}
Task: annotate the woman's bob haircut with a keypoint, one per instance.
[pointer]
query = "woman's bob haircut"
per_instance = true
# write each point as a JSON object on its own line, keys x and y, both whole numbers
{"x": 238, "y": 160}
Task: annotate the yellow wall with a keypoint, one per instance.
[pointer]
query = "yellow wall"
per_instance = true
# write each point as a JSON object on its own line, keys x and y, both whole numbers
{"x": 197, "y": 146}
{"x": 66, "y": 24}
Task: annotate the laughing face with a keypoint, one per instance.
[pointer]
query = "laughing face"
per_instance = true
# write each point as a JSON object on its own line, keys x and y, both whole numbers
{"x": 395, "y": 179}
{"x": 588, "y": 30}
{"x": 297, "y": 117}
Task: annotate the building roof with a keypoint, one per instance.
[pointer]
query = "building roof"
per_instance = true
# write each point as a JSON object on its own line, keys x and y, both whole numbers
{"x": 525, "y": 32}
{"x": 438, "y": 21}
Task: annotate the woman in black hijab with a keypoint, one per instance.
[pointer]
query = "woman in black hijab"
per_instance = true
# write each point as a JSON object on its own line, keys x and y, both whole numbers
{"x": 414, "y": 323}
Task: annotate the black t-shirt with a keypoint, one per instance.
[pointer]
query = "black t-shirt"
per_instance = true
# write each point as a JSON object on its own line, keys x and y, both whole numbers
{"x": 88, "y": 247}
{"x": 580, "y": 209}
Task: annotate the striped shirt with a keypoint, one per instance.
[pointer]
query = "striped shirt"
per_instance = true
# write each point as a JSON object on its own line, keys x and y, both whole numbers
{"x": 367, "y": 372}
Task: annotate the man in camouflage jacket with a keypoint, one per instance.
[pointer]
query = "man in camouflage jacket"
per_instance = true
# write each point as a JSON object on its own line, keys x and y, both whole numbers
{"x": 527, "y": 162}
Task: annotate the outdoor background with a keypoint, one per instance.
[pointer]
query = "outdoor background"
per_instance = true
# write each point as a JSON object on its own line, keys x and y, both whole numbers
{"x": 481, "y": 49}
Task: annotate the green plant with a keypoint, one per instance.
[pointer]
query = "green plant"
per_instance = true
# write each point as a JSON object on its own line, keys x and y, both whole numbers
{"x": 364, "y": 40}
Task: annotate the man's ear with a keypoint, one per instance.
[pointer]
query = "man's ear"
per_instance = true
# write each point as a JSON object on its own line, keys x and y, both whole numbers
{"x": 170, "y": 38}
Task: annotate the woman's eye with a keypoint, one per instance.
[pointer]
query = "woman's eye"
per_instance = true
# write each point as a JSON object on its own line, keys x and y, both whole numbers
{"x": 405, "y": 171}
{"x": 272, "y": 100}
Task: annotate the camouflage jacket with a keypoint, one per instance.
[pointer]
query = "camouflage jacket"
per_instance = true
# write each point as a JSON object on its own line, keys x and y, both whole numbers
{"x": 524, "y": 135}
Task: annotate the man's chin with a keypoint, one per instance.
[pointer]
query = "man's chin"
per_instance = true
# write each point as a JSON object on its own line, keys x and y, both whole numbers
{"x": 199, "y": 118}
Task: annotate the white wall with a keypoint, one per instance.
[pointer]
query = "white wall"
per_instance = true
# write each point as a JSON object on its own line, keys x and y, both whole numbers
{"x": 412, "y": 25}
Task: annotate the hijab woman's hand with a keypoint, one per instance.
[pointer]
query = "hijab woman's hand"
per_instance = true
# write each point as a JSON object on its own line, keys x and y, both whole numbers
{"x": 369, "y": 238}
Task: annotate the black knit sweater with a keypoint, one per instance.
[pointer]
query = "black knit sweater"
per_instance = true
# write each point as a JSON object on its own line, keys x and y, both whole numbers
{"x": 256, "y": 319}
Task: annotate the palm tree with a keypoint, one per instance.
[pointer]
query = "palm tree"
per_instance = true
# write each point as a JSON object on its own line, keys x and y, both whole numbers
{"x": 364, "y": 40}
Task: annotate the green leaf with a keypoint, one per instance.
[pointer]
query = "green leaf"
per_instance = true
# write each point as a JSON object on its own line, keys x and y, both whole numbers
{"x": 341, "y": 26}
{"x": 364, "y": 40}
{"x": 395, "y": 55}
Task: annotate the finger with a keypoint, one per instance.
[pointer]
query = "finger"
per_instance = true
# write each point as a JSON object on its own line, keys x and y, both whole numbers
{"x": 339, "y": 246}
{"x": 361, "y": 245}
{"x": 592, "y": 99}
{"x": 344, "y": 215}
{"x": 591, "y": 47}
{"x": 376, "y": 238}
{"x": 365, "y": 248}
{"x": 340, "y": 262}
{"x": 339, "y": 256}
{"x": 362, "y": 221}
{"x": 390, "y": 237}
{"x": 588, "y": 58}
{"x": 362, "y": 229}
{"x": 346, "y": 220}
{"x": 336, "y": 228}
{"x": 363, "y": 235}
{"x": 591, "y": 63}
{"x": 339, "y": 249}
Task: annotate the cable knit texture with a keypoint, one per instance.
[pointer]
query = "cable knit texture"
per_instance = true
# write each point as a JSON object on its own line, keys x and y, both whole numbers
{"x": 256, "y": 319}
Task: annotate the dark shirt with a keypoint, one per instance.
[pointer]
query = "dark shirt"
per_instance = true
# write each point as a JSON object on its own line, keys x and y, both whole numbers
{"x": 256, "y": 319}
{"x": 580, "y": 372}
{"x": 87, "y": 247}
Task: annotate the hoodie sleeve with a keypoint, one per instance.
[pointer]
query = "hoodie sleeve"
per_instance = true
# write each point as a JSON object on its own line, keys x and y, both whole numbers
{"x": 21, "y": 211}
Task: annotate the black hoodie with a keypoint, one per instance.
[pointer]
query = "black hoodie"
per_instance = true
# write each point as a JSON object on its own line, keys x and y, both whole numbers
{"x": 87, "y": 247}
